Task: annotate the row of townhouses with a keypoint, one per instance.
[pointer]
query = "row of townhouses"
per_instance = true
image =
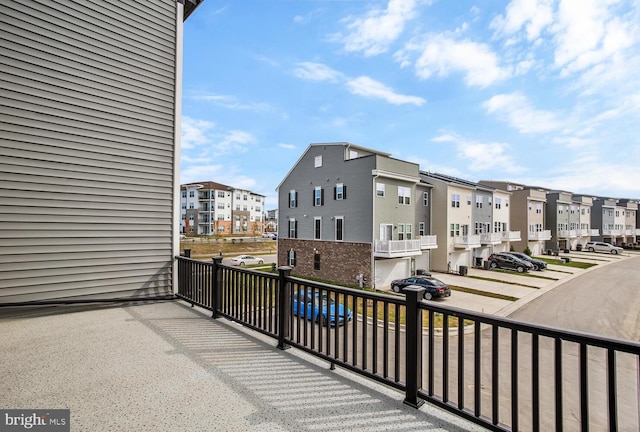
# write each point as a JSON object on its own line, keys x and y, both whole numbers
{"x": 355, "y": 215}
{"x": 209, "y": 208}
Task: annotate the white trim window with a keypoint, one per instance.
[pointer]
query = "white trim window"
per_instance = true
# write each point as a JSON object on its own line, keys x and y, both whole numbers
{"x": 292, "y": 258}
{"x": 455, "y": 200}
{"x": 317, "y": 161}
{"x": 404, "y": 195}
{"x": 293, "y": 199}
{"x": 318, "y": 196}
{"x": 408, "y": 231}
{"x": 479, "y": 201}
{"x": 421, "y": 228}
{"x": 400, "y": 231}
{"x": 340, "y": 192}
{"x": 293, "y": 228}
{"x": 425, "y": 199}
{"x": 380, "y": 189}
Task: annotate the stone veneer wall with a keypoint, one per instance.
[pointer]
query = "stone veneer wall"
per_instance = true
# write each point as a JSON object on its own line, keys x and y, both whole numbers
{"x": 339, "y": 261}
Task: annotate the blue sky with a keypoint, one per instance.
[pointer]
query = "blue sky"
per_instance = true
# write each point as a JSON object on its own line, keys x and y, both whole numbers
{"x": 538, "y": 92}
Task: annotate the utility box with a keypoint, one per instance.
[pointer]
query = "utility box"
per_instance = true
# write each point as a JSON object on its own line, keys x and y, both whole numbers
{"x": 463, "y": 270}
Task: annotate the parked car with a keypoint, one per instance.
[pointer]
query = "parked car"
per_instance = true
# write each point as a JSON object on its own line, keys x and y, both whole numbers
{"x": 246, "y": 259}
{"x": 602, "y": 247}
{"x": 320, "y": 307}
{"x": 537, "y": 264}
{"x": 506, "y": 261}
{"x": 268, "y": 235}
{"x": 435, "y": 288}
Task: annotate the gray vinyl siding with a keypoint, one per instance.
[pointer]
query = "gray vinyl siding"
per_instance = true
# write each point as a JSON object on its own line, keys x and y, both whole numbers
{"x": 87, "y": 99}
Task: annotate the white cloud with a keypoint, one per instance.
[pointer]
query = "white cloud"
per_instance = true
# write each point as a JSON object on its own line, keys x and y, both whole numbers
{"x": 532, "y": 15}
{"x": 231, "y": 102}
{"x": 193, "y": 132}
{"x": 235, "y": 141}
{"x": 287, "y": 146}
{"x": 516, "y": 110}
{"x": 441, "y": 55}
{"x": 316, "y": 72}
{"x": 374, "y": 33}
{"x": 481, "y": 156}
{"x": 368, "y": 87}
{"x": 196, "y": 173}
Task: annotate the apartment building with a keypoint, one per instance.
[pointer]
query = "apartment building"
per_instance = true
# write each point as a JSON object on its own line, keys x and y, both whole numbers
{"x": 630, "y": 209}
{"x": 585, "y": 229}
{"x": 210, "y": 208}
{"x": 271, "y": 224}
{"x": 527, "y": 215}
{"x": 472, "y": 221}
{"x": 354, "y": 215}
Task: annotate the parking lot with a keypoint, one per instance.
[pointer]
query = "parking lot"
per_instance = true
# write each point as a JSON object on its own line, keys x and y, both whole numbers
{"x": 521, "y": 287}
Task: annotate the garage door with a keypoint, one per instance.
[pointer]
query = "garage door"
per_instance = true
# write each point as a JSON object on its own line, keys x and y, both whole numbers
{"x": 387, "y": 270}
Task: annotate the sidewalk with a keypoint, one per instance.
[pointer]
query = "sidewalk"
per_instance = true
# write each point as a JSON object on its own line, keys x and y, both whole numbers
{"x": 169, "y": 367}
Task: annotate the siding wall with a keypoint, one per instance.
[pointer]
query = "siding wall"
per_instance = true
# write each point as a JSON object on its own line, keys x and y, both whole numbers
{"x": 87, "y": 99}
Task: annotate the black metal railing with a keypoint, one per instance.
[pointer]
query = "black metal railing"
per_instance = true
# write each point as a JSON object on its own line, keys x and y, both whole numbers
{"x": 502, "y": 374}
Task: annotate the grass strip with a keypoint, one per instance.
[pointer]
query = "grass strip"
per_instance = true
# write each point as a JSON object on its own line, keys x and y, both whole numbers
{"x": 483, "y": 293}
{"x": 574, "y": 264}
{"x": 502, "y": 281}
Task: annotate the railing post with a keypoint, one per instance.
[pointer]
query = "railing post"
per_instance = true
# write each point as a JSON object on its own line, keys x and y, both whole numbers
{"x": 284, "y": 300}
{"x": 187, "y": 253}
{"x": 413, "y": 346}
{"x": 215, "y": 286}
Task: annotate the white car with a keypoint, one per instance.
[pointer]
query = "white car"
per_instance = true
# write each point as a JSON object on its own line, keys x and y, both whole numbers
{"x": 245, "y": 260}
{"x": 603, "y": 247}
{"x": 268, "y": 235}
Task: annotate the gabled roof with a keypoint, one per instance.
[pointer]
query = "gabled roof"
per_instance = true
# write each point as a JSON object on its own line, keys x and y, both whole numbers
{"x": 342, "y": 144}
{"x": 189, "y": 7}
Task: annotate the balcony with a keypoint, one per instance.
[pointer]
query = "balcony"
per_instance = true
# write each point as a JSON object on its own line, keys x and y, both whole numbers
{"x": 539, "y": 235}
{"x": 567, "y": 234}
{"x": 630, "y": 232}
{"x": 428, "y": 242}
{"x": 491, "y": 238}
{"x": 467, "y": 242}
{"x": 612, "y": 232}
{"x": 511, "y": 236}
{"x": 594, "y": 232}
{"x": 396, "y": 248}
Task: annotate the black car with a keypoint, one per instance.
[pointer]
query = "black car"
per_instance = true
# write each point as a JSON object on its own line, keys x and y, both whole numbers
{"x": 506, "y": 261}
{"x": 537, "y": 264}
{"x": 434, "y": 288}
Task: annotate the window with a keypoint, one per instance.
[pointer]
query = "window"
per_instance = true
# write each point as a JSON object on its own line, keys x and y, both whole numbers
{"x": 237, "y": 206}
{"x": 468, "y": 199}
{"x": 400, "y": 231}
{"x": 339, "y": 228}
{"x": 318, "y": 196}
{"x": 317, "y": 228}
{"x": 220, "y": 194}
{"x": 221, "y": 206}
{"x": 316, "y": 261}
{"x": 455, "y": 200}
{"x": 340, "y": 192}
{"x": 293, "y": 199}
{"x": 293, "y": 228}
{"x": 317, "y": 162}
{"x": 455, "y": 230}
{"x": 538, "y": 208}
{"x": 237, "y": 196}
{"x": 425, "y": 198}
{"x": 184, "y": 194}
{"x": 292, "y": 258}
{"x": 184, "y": 206}
{"x": 479, "y": 201}
{"x": 506, "y": 203}
{"x": 380, "y": 189}
{"x": 191, "y": 205}
{"x": 244, "y": 207}
{"x": 421, "y": 228}
{"x": 404, "y": 195}
{"x": 408, "y": 231}
{"x": 498, "y": 203}
{"x": 220, "y": 216}
{"x": 192, "y": 194}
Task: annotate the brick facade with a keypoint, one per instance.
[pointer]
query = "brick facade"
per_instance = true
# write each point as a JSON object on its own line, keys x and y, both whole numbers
{"x": 339, "y": 261}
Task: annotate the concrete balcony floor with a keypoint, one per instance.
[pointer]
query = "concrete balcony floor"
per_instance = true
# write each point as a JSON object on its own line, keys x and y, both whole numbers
{"x": 168, "y": 367}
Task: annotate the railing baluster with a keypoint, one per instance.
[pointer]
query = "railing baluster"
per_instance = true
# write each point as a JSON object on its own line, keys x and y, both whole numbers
{"x": 584, "y": 388}
{"x": 430, "y": 367}
{"x": 445, "y": 358}
{"x": 365, "y": 325}
{"x": 495, "y": 370}
{"x": 535, "y": 382}
{"x": 477, "y": 373}
{"x": 385, "y": 341}
{"x": 612, "y": 389}
{"x": 514, "y": 379}
{"x": 374, "y": 336}
{"x": 558, "y": 382}
{"x": 460, "y": 363}
{"x": 397, "y": 362}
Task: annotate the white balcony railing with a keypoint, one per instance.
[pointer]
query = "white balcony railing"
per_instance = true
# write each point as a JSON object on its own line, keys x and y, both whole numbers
{"x": 594, "y": 232}
{"x": 428, "y": 242}
{"x": 396, "y": 248}
{"x": 491, "y": 238}
{"x": 567, "y": 233}
{"x": 629, "y": 232}
{"x": 612, "y": 232}
{"x": 638, "y": 231}
{"x": 540, "y": 235}
{"x": 467, "y": 242}
{"x": 511, "y": 236}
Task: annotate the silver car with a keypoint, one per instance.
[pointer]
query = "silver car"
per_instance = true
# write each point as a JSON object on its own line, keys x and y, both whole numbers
{"x": 603, "y": 247}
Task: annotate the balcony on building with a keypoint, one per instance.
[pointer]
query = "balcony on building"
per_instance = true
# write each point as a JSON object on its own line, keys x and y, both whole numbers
{"x": 629, "y": 232}
{"x": 612, "y": 232}
{"x": 540, "y": 235}
{"x": 594, "y": 232}
{"x": 428, "y": 242}
{"x": 511, "y": 236}
{"x": 396, "y": 248}
{"x": 567, "y": 233}
{"x": 491, "y": 238}
{"x": 467, "y": 242}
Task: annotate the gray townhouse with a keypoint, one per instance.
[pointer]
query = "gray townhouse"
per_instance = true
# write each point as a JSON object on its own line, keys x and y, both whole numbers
{"x": 471, "y": 222}
{"x": 527, "y": 215}
{"x": 607, "y": 217}
{"x": 89, "y": 144}
{"x": 354, "y": 215}
{"x": 562, "y": 219}
{"x": 630, "y": 221}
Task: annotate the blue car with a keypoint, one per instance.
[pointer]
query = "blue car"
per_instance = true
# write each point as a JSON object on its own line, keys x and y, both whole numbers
{"x": 321, "y": 308}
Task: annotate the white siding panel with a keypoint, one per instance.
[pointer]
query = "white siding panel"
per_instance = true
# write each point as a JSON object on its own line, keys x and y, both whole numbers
{"x": 87, "y": 100}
